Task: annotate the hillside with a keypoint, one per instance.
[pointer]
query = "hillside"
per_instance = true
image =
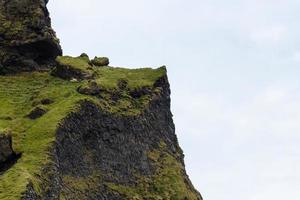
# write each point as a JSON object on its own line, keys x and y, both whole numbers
{"x": 77, "y": 128}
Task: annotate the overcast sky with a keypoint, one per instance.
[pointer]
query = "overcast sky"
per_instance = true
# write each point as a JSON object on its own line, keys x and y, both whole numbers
{"x": 234, "y": 67}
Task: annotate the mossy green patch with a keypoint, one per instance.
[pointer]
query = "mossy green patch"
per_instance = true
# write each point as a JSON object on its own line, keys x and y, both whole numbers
{"x": 21, "y": 93}
{"x": 78, "y": 186}
{"x": 79, "y": 62}
{"x": 168, "y": 182}
{"x": 108, "y": 77}
{"x": 137, "y": 78}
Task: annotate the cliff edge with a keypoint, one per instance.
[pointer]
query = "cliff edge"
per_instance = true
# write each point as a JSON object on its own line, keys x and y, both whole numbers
{"x": 76, "y": 128}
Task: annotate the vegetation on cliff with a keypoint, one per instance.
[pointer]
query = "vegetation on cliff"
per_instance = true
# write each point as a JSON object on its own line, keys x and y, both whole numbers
{"x": 21, "y": 93}
{"x": 75, "y": 128}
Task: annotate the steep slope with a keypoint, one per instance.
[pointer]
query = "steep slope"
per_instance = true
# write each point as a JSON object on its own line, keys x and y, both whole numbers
{"x": 75, "y": 128}
{"x": 117, "y": 144}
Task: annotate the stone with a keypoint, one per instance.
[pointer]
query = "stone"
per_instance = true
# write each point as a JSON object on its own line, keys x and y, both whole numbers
{"x": 100, "y": 61}
{"x": 6, "y": 151}
{"x": 27, "y": 41}
{"x": 37, "y": 112}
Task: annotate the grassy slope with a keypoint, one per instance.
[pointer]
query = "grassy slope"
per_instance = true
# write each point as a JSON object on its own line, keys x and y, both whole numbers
{"x": 21, "y": 93}
{"x": 31, "y": 137}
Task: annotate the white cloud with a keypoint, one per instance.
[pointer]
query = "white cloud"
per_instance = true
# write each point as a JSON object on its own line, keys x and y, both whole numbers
{"x": 296, "y": 56}
{"x": 252, "y": 144}
{"x": 269, "y": 35}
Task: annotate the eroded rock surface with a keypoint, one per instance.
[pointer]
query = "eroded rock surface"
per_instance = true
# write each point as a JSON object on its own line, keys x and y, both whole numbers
{"x": 27, "y": 41}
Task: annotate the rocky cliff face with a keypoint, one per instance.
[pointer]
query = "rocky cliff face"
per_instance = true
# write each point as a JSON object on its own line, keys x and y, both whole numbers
{"x": 27, "y": 41}
{"x": 77, "y": 130}
{"x": 99, "y": 155}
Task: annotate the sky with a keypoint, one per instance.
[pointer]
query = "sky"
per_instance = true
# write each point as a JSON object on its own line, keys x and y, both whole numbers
{"x": 234, "y": 70}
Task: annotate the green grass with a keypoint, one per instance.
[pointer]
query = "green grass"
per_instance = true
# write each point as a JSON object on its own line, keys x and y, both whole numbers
{"x": 108, "y": 77}
{"x": 81, "y": 186}
{"x": 80, "y": 63}
{"x": 19, "y": 94}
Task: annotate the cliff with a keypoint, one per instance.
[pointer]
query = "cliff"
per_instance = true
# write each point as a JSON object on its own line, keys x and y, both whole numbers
{"x": 75, "y": 128}
{"x": 27, "y": 41}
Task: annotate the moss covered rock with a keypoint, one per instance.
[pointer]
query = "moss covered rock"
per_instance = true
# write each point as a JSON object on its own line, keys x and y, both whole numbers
{"x": 100, "y": 61}
{"x": 27, "y": 41}
{"x": 73, "y": 68}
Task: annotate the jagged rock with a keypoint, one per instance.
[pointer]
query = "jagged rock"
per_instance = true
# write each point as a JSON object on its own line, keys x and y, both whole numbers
{"x": 27, "y": 41}
{"x": 100, "y": 61}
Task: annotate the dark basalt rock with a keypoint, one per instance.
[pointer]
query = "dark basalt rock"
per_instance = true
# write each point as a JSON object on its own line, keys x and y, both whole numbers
{"x": 27, "y": 41}
{"x": 139, "y": 92}
{"x": 47, "y": 101}
{"x": 36, "y": 113}
{"x": 6, "y": 150}
{"x": 7, "y": 155}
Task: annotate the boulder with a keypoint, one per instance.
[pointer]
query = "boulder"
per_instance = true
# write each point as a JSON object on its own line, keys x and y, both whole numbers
{"x": 100, "y": 61}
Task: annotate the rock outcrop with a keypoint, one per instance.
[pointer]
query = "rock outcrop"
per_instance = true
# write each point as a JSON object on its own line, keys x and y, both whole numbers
{"x": 100, "y": 61}
{"x": 27, "y": 41}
